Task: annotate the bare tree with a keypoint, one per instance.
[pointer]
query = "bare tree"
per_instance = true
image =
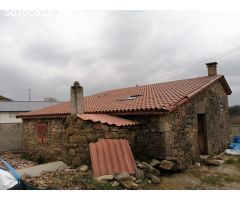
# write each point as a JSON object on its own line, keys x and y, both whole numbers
{"x": 50, "y": 99}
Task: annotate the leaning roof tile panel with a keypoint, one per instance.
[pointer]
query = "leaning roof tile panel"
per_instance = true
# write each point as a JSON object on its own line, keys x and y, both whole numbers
{"x": 154, "y": 97}
{"x": 110, "y": 156}
{"x": 107, "y": 119}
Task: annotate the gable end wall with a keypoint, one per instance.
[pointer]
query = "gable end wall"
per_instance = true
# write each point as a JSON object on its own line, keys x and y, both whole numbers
{"x": 181, "y": 135}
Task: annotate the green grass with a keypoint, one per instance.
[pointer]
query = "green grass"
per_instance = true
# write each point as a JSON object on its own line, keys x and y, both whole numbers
{"x": 213, "y": 180}
{"x": 196, "y": 173}
{"x": 219, "y": 179}
{"x": 92, "y": 184}
{"x": 235, "y": 162}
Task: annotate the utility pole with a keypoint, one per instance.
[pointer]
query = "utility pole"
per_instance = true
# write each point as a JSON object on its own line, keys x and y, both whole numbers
{"x": 29, "y": 94}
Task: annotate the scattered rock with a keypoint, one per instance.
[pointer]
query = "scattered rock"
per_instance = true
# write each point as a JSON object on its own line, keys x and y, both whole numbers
{"x": 154, "y": 163}
{"x": 155, "y": 179}
{"x": 69, "y": 170}
{"x": 139, "y": 174}
{"x": 167, "y": 165}
{"x": 219, "y": 157}
{"x": 114, "y": 184}
{"x": 171, "y": 159}
{"x": 105, "y": 178}
{"x": 178, "y": 163}
{"x": 124, "y": 176}
{"x": 141, "y": 166}
{"x": 130, "y": 185}
{"x": 214, "y": 162}
{"x": 204, "y": 157}
{"x": 149, "y": 181}
{"x": 83, "y": 168}
{"x": 151, "y": 169}
{"x": 138, "y": 181}
{"x": 16, "y": 160}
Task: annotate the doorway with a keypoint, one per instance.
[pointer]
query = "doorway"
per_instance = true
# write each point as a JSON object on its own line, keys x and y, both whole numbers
{"x": 202, "y": 134}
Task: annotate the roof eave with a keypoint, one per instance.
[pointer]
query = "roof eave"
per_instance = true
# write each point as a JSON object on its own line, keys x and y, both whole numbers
{"x": 190, "y": 96}
{"x": 42, "y": 116}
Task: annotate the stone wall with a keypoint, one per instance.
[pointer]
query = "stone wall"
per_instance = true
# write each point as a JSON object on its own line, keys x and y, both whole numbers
{"x": 182, "y": 131}
{"x": 69, "y": 137}
{"x": 10, "y": 136}
{"x": 176, "y": 134}
{"x": 150, "y": 138}
{"x": 79, "y": 134}
{"x": 49, "y": 150}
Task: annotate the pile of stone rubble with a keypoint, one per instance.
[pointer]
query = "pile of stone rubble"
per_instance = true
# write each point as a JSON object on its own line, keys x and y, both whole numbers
{"x": 146, "y": 173}
{"x": 16, "y": 160}
{"x": 82, "y": 178}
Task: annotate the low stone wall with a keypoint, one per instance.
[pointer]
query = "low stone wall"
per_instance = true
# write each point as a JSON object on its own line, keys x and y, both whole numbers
{"x": 10, "y": 137}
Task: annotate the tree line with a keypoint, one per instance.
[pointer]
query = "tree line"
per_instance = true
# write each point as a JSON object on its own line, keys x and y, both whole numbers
{"x": 234, "y": 110}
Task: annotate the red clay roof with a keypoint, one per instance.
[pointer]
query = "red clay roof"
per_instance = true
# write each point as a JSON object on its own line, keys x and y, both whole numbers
{"x": 107, "y": 119}
{"x": 110, "y": 156}
{"x": 157, "y": 97}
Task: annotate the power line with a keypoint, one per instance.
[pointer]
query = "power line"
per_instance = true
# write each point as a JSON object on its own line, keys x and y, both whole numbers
{"x": 193, "y": 66}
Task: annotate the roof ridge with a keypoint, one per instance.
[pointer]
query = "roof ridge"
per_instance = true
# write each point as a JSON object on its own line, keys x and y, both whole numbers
{"x": 165, "y": 82}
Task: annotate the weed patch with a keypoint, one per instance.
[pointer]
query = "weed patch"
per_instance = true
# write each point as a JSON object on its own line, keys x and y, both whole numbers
{"x": 235, "y": 162}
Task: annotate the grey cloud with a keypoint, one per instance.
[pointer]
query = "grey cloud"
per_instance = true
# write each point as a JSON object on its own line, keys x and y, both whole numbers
{"x": 48, "y": 52}
{"x": 128, "y": 48}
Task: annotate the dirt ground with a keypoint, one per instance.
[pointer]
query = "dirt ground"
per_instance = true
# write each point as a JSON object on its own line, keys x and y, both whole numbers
{"x": 223, "y": 177}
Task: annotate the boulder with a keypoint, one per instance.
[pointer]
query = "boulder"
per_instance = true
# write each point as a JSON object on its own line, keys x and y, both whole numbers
{"x": 141, "y": 166}
{"x": 214, "y": 162}
{"x": 105, "y": 178}
{"x": 204, "y": 157}
{"x": 219, "y": 157}
{"x": 138, "y": 181}
{"x": 155, "y": 179}
{"x": 130, "y": 185}
{"x": 69, "y": 170}
{"x": 167, "y": 165}
{"x": 139, "y": 174}
{"x": 154, "y": 163}
{"x": 83, "y": 168}
{"x": 124, "y": 176}
{"x": 150, "y": 169}
{"x": 171, "y": 159}
{"x": 178, "y": 163}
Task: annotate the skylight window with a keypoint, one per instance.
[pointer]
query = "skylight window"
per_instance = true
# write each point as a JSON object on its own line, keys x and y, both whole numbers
{"x": 131, "y": 97}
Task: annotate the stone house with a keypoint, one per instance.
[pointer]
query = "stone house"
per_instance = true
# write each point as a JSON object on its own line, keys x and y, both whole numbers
{"x": 181, "y": 119}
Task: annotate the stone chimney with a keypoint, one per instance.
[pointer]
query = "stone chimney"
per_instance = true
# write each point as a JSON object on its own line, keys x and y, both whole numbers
{"x": 212, "y": 68}
{"x": 77, "y": 100}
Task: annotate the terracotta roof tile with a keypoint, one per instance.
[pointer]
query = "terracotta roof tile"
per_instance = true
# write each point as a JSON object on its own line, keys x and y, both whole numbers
{"x": 110, "y": 156}
{"x": 107, "y": 119}
{"x": 154, "y": 97}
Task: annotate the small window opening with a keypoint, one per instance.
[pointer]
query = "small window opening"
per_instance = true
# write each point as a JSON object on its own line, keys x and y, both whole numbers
{"x": 42, "y": 133}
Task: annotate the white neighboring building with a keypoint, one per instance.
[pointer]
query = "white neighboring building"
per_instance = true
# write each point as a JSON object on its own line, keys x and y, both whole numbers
{"x": 10, "y": 126}
{"x": 10, "y": 109}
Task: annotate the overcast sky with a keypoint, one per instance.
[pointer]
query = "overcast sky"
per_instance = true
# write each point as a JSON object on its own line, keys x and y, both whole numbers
{"x": 114, "y": 49}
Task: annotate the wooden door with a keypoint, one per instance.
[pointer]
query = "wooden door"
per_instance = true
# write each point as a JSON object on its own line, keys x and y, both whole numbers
{"x": 202, "y": 134}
